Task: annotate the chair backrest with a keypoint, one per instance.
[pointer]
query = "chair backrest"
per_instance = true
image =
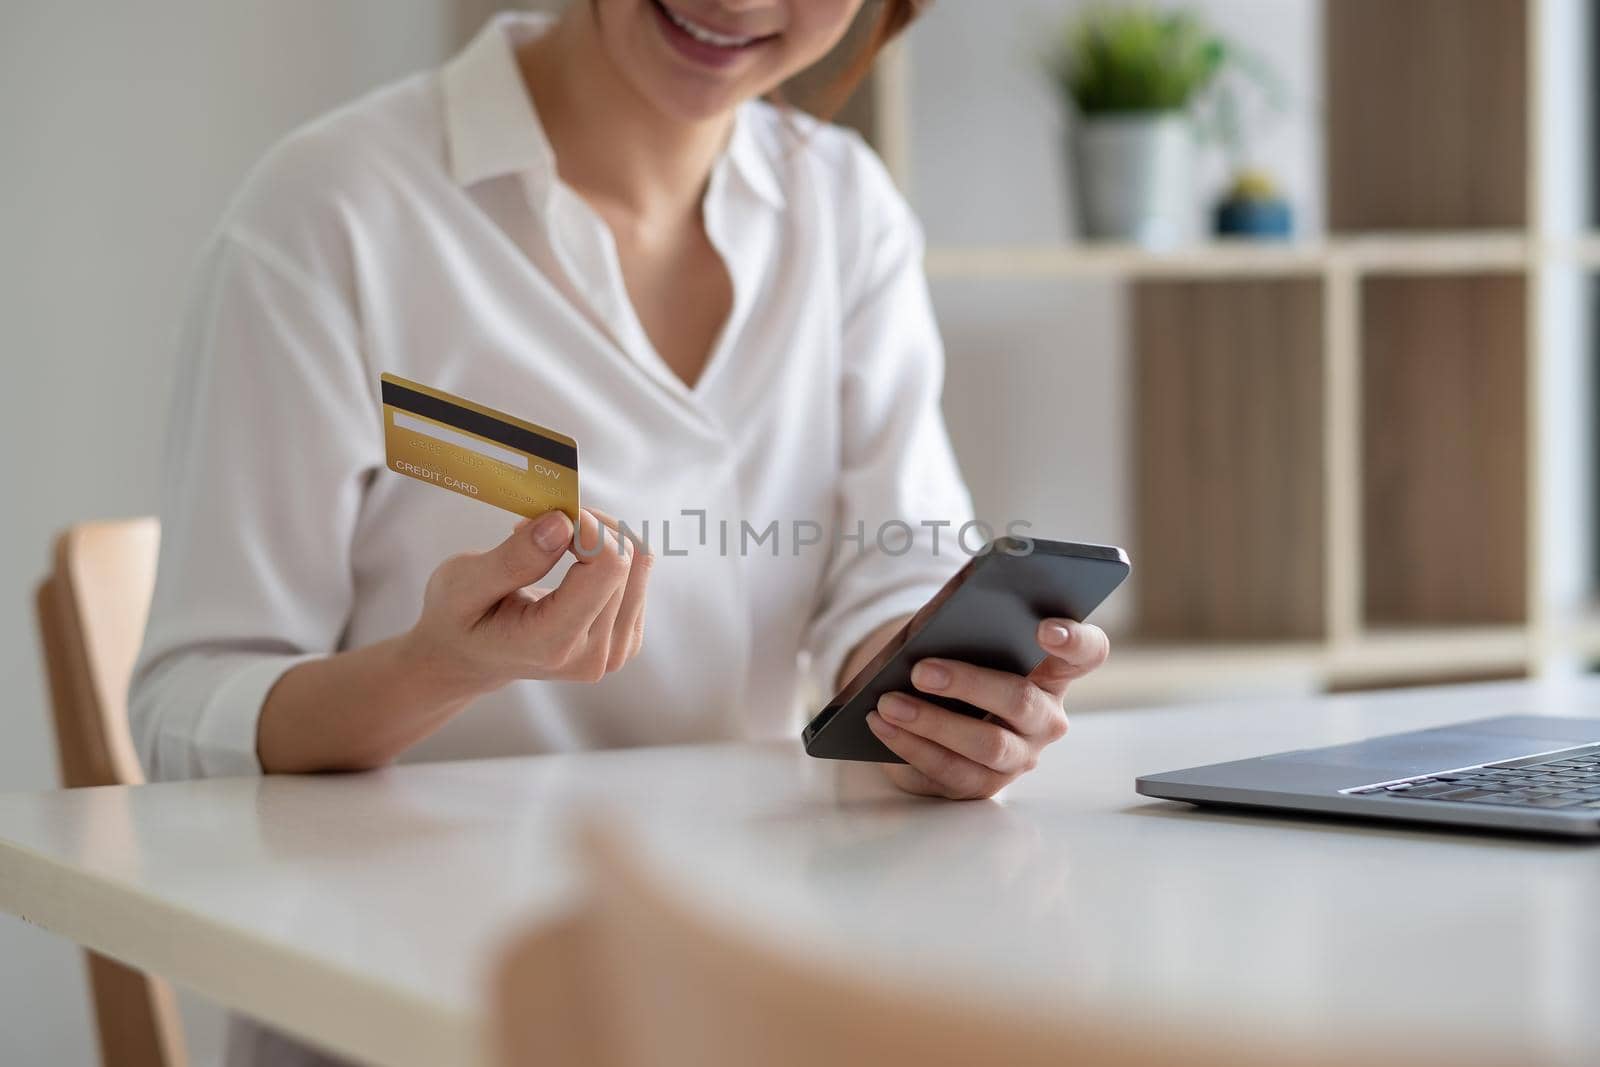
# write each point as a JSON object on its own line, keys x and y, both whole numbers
{"x": 639, "y": 975}
{"x": 92, "y": 609}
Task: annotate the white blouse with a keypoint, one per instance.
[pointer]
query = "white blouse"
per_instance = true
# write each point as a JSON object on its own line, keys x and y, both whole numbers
{"x": 423, "y": 230}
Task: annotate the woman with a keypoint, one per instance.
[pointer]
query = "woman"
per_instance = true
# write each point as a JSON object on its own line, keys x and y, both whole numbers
{"x": 590, "y": 222}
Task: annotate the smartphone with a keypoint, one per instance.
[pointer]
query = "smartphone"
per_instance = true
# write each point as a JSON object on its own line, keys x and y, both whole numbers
{"x": 987, "y": 614}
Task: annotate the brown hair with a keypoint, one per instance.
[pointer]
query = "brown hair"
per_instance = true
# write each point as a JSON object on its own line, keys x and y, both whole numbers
{"x": 893, "y": 17}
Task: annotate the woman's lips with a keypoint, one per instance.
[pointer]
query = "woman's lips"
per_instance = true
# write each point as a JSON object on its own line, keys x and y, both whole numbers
{"x": 703, "y": 45}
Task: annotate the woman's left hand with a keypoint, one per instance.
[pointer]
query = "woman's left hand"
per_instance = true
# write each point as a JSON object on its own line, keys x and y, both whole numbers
{"x": 952, "y": 755}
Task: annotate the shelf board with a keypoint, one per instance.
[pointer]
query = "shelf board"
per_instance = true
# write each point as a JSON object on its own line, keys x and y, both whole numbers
{"x": 1096, "y": 260}
{"x": 1152, "y": 672}
{"x": 1577, "y": 633}
{"x": 1376, "y": 253}
{"x": 1579, "y": 251}
{"x": 1408, "y": 652}
{"x": 1434, "y": 253}
{"x": 1144, "y": 672}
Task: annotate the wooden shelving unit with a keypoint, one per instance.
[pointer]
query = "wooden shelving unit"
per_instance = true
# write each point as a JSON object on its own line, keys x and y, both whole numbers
{"x": 1339, "y": 462}
{"x": 1229, "y": 470}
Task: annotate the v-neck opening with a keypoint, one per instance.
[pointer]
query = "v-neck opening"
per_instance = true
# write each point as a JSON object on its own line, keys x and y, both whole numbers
{"x": 607, "y": 299}
{"x": 630, "y": 334}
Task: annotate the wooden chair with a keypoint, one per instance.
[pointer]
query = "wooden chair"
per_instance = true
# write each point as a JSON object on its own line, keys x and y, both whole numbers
{"x": 640, "y": 976}
{"x": 92, "y": 609}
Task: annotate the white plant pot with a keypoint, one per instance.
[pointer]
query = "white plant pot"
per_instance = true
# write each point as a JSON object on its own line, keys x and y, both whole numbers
{"x": 1135, "y": 178}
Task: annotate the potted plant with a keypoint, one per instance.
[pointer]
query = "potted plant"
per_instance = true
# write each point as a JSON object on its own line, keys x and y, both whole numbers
{"x": 1252, "y": 205}
{"x": 1140, "y": 81}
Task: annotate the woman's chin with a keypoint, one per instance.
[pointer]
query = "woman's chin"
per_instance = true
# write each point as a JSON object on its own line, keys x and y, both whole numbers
{"x": 690, "y": 99}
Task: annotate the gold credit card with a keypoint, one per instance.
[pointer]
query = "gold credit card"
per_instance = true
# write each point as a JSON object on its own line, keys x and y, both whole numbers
{"x": 488, "y": 455}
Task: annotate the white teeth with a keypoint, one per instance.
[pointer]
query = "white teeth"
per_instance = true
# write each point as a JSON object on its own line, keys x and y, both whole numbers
{"x": 703, "y": 35}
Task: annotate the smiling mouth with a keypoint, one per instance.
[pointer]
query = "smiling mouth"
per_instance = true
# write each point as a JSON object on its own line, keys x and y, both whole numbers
{"x": 705, "y": 34}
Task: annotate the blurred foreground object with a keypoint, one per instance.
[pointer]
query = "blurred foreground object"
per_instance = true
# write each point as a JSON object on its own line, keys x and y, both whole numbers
{"x": 648, "y": 972}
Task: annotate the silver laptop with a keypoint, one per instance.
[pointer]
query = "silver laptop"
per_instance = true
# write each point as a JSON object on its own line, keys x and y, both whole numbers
{"x": 1519, "y": 772}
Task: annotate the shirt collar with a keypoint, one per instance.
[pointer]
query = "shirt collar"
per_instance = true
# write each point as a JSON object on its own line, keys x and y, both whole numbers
{"x": 490, "y": 124}
{"x": 491, "y": 127}
{"x": 750, "y": 158}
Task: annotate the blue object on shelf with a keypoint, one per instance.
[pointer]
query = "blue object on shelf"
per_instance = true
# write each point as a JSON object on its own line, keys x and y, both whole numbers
{"x": 1254, "y": 217}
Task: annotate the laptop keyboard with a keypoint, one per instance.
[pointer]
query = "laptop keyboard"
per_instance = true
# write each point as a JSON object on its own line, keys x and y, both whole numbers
{"x": 1569, "y": 778}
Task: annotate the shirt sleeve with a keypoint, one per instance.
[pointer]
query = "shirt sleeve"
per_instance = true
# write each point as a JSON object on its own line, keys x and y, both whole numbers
{"x": 268, "y": 455}
{"x": 899, "y": 479}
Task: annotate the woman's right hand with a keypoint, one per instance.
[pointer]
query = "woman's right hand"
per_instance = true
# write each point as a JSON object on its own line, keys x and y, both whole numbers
{"x": 483, "y": 627}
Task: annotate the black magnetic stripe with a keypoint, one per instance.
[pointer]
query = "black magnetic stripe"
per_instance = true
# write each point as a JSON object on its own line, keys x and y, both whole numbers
{"x": 398, "y": 396}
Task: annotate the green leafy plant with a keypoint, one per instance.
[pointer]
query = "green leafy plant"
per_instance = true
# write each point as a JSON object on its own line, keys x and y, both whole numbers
{"x": 1122, "y": 59}
{"x": 1136, "y": 59}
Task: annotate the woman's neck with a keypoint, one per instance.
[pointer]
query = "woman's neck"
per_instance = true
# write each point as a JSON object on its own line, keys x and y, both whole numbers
{"x": 612, "y": 145}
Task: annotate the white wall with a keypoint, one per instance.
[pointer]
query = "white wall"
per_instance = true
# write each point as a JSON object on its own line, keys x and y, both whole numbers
{"x": 1037, "y": 393}
{"x": 123, "y": 129}
{"x": 1565, "y": 432}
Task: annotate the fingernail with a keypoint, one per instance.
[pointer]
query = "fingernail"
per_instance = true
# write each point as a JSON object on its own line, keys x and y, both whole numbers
{"x": 1056, "y": 634}
{"x": 930, "y": 676}
{"x": 881, "y": 726}
{"x": 898, "y": 707}
{"x": 551, "y": 532}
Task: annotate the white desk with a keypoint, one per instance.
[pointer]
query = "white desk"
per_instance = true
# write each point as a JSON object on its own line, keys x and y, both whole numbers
{"x": 361, "y": 911}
